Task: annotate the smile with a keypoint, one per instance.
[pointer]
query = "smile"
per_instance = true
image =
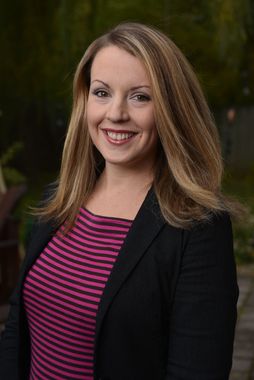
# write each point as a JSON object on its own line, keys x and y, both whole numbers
{"x": 120, "y": 137}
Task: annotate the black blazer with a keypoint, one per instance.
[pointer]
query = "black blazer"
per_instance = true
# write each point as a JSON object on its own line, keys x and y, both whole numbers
{"x": 169, "y": 308}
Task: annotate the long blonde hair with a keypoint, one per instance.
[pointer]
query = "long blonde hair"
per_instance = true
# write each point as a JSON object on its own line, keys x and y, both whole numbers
{"x": 189, "y": 169}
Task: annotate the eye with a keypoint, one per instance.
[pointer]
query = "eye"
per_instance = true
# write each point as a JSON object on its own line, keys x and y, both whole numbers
{"x": 141, "y": 97}
{"x": 100, "y": 93}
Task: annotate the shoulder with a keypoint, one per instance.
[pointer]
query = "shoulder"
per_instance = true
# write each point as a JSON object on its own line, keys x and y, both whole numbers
{"x": 210, "y": 242}
{"x": 217, "y": 225}
{"x": 214, "y": 222}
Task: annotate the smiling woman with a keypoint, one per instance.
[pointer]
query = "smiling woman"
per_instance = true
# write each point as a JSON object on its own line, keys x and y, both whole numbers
{"x": 130, "y": 271}
{"x": 120, "y": 111}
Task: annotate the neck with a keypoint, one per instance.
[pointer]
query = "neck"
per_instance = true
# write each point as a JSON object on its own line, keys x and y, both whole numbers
{"x": 116, "y": 179}
{"x": 120, "y": 191}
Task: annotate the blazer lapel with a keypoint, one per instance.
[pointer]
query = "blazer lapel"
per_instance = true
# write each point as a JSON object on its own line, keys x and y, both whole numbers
{"x": 144, "y": 229}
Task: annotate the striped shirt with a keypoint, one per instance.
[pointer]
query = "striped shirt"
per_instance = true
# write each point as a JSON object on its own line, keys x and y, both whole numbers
{"x": 62, "y": 292}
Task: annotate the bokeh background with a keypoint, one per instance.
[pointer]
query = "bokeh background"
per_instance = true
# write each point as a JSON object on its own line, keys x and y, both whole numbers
{"x": 41, "y": 45}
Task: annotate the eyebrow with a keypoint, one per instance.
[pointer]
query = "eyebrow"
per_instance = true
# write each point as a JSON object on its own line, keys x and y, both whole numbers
{"x": 133, "y": 88}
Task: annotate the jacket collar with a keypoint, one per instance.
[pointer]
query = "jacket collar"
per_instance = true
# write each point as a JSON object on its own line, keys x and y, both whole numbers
{"x": 146, "y": 225}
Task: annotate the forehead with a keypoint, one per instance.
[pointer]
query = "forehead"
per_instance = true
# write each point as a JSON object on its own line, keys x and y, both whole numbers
{"x": 115, "y": 63}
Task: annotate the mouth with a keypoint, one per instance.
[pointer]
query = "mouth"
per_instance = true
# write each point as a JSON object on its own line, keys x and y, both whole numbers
{"x": 119, "y": 136}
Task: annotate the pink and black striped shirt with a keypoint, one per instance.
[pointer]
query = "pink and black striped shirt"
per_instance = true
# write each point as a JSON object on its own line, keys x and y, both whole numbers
{"x": 62, "y": 292}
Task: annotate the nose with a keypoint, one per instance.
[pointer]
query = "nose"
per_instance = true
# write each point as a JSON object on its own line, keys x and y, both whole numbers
{"x": 117, "y": 111}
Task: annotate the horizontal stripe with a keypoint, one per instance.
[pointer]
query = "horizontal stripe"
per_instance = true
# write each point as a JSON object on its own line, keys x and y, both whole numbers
{"x": 58, "y": 356}
{"x": 75, "y": 286}
{"x": 50, "y": 321}
{"x": 67, "y": 244}
{"x": 61, "y": 297}
{"x": 105, "y": 255}
{"x": 62, "y": 341}
{"x": 81, "y": 273}
{"x": 57, "y": 331}
{"x": 72, "y": 262}
{"x": 64, "y": 251}
{"x": 60, "y": 366}
{"x": 66, "y": 347}
{"x": 68, "y": 277}
{"x": 100, "y": 233}
{"x": 62, "y": 292}
{"x": 58, "y": 288}
{"x": 44, "y": 304}
{"x": 78, "y": 229}
{"x": 74, "y": 236}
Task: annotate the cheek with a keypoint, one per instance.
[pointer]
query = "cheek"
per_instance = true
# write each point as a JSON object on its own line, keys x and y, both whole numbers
{"x": 147, "y": 121}
{"x": 92, "y": 114}
{"x": 150, "y": 130}
{"x": 89, "y": 116}
{"x": 149, "y": 125}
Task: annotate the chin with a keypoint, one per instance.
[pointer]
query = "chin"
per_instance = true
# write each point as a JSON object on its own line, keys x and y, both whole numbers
{"x": 117, "y": 162}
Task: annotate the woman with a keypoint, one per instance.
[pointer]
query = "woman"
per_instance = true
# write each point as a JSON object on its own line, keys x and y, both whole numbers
{"x": 130, "y": 272}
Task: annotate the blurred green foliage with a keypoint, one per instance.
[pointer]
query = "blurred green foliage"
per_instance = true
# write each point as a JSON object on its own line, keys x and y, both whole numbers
{"x": 11, "y": 175}
{"x": 43, "y": 41}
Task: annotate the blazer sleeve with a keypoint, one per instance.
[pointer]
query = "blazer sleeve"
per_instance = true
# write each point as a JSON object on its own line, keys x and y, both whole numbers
{"x": 9, "y": 344}
{"x": 10, "y": 337}
{"x": 204, "y": 309}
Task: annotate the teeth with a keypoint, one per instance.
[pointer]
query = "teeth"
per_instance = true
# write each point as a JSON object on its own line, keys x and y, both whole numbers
{"x": 119, "y": 136}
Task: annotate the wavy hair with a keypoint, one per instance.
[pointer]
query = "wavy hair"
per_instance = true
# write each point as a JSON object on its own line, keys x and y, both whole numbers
{"x": 189, "y": 168}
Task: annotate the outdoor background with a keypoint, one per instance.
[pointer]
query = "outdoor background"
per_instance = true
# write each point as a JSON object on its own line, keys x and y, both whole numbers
{"x": 41, "y": 45}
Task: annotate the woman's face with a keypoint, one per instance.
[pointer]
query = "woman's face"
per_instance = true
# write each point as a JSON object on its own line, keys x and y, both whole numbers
{"x": 120, "y": 109}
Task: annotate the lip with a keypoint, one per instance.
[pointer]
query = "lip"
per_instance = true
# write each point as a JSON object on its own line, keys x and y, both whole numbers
{"x": 118, "y": 142}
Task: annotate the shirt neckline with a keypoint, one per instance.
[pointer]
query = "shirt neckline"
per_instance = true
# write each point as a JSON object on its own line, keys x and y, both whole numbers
{"x": 106, "y": 216}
